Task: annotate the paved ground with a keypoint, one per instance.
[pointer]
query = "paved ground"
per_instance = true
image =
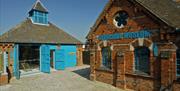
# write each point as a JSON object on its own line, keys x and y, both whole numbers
{"x": 72, "y": 79}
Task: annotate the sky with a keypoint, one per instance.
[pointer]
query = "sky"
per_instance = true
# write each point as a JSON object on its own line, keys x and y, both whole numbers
{"x": 73, "y": 16}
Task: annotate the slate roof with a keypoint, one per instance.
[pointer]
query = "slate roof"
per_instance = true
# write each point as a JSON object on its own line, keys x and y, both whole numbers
{"x": 167, "y": 11}
{"x": 27, "y": 32}
{"x": 39, "y": 6}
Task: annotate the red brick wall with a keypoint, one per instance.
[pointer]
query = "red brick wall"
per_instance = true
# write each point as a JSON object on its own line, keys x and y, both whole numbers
{"x": 104, "y": 76}
{"x": 139, "y": 19}
{"x": 139, "y": 83}
{"x": 136, "y": 21}
{"x": 3, "y": 79}
{"x": 176, "y": 86}
{"x": 129, "y": 62}
{"x": 79, "y": 54}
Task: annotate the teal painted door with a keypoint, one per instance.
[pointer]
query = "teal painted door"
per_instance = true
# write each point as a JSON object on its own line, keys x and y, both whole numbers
{"x": 45, "y": 59}
{"x": 16, "y": 62}
{"x": 70, "y": 55}
{"x": 59, "y": 59}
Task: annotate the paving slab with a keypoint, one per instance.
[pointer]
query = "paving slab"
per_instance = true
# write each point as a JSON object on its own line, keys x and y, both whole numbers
{"x": 71, "y": 79}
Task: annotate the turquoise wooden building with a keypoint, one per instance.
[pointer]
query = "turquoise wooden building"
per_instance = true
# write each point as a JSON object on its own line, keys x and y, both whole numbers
{"x": 37, "y": 45}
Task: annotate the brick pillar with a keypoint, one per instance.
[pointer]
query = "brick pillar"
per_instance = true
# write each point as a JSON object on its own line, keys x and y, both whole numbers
{"x": 165, "y": 63}
{"x": 79, "y": 56}
{"x": 168, "y": 71}
{"x": 92, "y": 66}
{"x": 173, "y": 65}
{"x": 120, "y": 81}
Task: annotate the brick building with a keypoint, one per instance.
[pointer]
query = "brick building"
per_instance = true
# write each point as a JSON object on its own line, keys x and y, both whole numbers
{"x": 135, "y": 44}
{"x": 37, "y": 45}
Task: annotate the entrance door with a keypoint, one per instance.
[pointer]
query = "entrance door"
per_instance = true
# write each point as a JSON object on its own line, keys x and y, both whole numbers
{"x": 59, "y": 60}
{"x": 16, "y": 62}
{"x": 45, "y": 59}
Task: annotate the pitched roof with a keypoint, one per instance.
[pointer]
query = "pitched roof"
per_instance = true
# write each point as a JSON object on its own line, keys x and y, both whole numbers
{"x": 39, "y": 6}
{"x": 27, "y": 32}
{"x": 167, "y": 11}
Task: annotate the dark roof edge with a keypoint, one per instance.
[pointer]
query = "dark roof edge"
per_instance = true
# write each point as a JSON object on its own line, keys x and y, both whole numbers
{"x": 44, "y": 43}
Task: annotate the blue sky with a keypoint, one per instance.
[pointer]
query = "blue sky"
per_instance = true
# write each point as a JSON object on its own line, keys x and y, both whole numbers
{"x": 73, "y": 16}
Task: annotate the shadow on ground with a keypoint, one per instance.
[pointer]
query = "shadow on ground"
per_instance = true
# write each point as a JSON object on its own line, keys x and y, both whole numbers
{"x": 83, "y": 72}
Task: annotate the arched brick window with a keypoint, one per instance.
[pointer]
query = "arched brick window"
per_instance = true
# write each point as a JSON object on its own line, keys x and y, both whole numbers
{"x": 106, "y": 57}
{"x": 142, "y": 60}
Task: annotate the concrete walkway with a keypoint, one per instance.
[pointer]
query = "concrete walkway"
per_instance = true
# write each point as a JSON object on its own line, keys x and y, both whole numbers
{"x": 72, "y": 79}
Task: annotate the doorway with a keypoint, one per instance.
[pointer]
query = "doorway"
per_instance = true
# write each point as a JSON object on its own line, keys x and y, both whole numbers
{"x": 29, "y": 57}
{"x": 52, "y": 58}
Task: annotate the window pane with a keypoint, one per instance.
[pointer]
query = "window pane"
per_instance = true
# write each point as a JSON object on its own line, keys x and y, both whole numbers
{"x": 142, "y": 56}
{"x": 178, "y": 67}
{"x": 46, "y": 22}
{"x": 36, "y": 19}
{"x": 178, "y": 72}
{"x": 106, "y": 57}
{"x": 35, "y": 13}
{"x": 40, "y": 19}
{"x": 178, "y": 62}
{"x": 40, "y": 14}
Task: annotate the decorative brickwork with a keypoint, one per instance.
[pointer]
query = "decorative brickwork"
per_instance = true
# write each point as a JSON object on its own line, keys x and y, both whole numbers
{"x": 123, "y": 42}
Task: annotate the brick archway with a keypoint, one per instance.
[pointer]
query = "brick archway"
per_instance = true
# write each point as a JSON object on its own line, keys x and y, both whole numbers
{"x": 102, "y": 44}
{"x": 141, "y": 42}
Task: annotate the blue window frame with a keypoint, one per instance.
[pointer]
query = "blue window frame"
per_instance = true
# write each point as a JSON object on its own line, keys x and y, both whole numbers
{"x": 142, "y": 60}
{"x": 178, "y": 62}
{"x": 39, "y": 17}
{"x": 106, "y": 57}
